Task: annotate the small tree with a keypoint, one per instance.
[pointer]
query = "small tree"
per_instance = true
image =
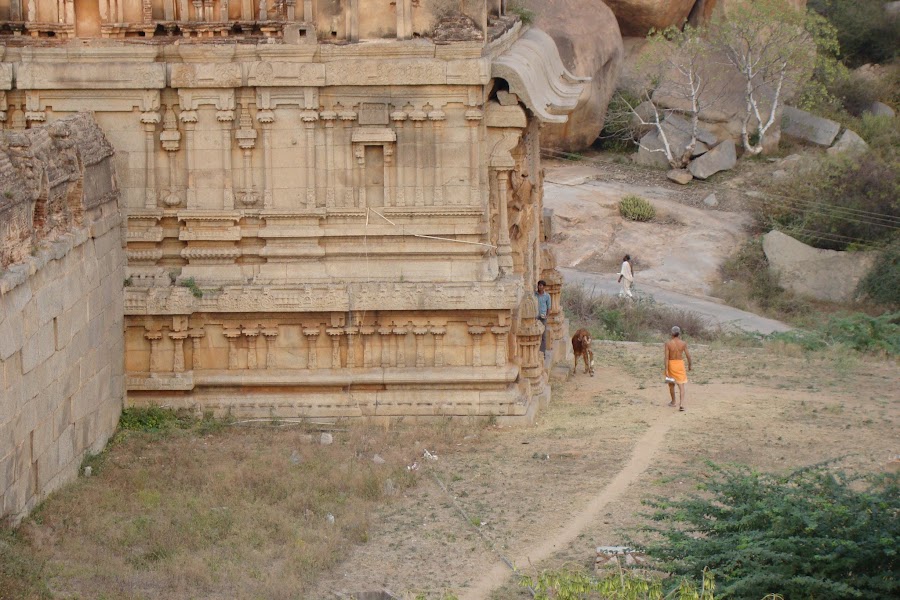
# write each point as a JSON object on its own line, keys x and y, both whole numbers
{"x": 680, "y": 70}
{"x": 809, "y": 534}
{"x": 773, "y": 47}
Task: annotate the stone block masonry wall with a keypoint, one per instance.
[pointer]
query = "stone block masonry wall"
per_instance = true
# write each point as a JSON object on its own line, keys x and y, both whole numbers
{"x": 61, "y": 308}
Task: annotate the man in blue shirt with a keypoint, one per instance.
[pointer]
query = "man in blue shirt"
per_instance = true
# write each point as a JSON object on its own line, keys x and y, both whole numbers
{"x": 543, "y": 299}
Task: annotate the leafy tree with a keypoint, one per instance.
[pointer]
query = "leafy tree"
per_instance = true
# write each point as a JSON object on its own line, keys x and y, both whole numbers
{"x": 773, "y": 47}
{"x": 810, "y": 534}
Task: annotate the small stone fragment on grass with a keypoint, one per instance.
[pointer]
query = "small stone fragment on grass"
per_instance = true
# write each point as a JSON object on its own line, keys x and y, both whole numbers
{"x": 330, "y": 518}
{"x": 378, "y": 460}
{"x": 325, "y": 439}
{"x": 295, "y": 458}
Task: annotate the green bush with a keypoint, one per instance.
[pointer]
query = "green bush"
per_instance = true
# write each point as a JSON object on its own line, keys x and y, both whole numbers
{"x": 812, "y": 533}
{"x": 635, "y": 208}
{"x": 863, "y": 29}
{"x": 857, "y": 331}
{"x": 840, "y": 203}
{"x": 882, "y": 283}
{"x": 621, "y": 584}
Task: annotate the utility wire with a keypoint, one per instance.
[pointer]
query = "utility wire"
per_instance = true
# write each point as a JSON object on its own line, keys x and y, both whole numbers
{"x": 879, "y": 219}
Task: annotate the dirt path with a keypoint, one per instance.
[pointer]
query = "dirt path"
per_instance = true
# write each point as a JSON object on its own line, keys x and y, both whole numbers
{"x": 640, "y": 459}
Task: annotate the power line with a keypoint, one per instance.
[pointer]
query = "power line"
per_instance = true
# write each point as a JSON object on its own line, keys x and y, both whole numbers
{"x": 891, "y": 221}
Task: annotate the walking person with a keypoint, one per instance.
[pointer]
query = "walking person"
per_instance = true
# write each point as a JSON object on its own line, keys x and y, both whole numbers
{"x": 543, "y": 300}
{"x": 626, "y": 277}
{"x": 676, "y": 351}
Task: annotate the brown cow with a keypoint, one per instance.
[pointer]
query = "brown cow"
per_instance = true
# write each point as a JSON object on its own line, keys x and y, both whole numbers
{"x": 581, "y": 345}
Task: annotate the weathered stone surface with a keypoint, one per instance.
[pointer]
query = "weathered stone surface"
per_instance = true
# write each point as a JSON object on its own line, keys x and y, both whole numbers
{"x": 849, "y": 141}
{"x": 650, "y": 152}
{"x": 590, "y": 45}
{"x": 48, "y": 355}
{"x": 682, "y": 176}
{"x": 822, "y": 274}
{"x": 720, "y": 158}
{"x": 880, "y": 109}
{"x": 806, "y": 127}
{"x": 711, "y": 201}
{"x": 637, "y": 17}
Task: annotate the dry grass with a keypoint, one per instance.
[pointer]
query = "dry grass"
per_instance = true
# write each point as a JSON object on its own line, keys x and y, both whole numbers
{"x": 239, "y": 512}
{"x": 612, "y": 318}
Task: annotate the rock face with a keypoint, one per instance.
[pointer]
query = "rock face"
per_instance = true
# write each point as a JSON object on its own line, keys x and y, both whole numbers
{"x": 805, "y": 127}
{"x": 848, "y": 142}
{"x": 822, "y": 274}
{"x": 637, "y": 17}
{"x": 680, "y": 176}
{"x": 590, "y": 45}
{"x": 720, "y": 158}
{"x": 880, "y": 109}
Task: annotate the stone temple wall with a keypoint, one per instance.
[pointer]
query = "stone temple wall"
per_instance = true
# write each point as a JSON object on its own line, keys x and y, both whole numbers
{"x": 62, "y": 264}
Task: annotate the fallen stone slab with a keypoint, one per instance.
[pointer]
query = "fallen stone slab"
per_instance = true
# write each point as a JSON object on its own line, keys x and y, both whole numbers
{"x": 681, "y": 176}
{"x": 720, "y": 158}
{"x": 822, "y": 274}
{"x": 807, "y": 127}
{"x": 650, "y": 153}
{"x": 848, "y": 142}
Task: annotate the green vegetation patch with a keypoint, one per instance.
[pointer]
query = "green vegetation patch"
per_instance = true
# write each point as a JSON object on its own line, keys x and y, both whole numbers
{"x": 635, "y": 208}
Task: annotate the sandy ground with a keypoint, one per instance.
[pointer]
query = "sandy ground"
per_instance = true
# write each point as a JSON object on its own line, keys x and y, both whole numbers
{"x": 551, "y": 493}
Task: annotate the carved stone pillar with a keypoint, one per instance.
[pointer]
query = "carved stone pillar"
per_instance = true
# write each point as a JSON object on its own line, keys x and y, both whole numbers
{"x": 367, "y": 332}
{"x": 528, "y": 338}
{"x": 149, "y": 119}
{"x": 401, "y": 332}
{"x": 386, "y": 334}
{"x": 504, "y": 250}
{"x": 399, "y": 118}
{"x": 418, "y": 117}
{"x": 232, "y": 335}
{"x": 335, "y": 333}
{"x": 555, "y": 319}
{"x": 153, "y": 337}
{"x": 208, "y": 10}
{"x": 476, "y": 332}
{"x": 473, "y": 118}
{"x": 351, "y": 333}
{"x": 246, "y": 137}
{"x": 328, "y": 118}
{"x": 438, "y": 333}
{"x": 223, "y": 11}
{"x": 198, "y": 10}
{"x": 196, "y": 335}
{"x": 252, "y": 334}
{"x": 312, "y": 338}
{"x": 263, "y": 14}
{"x": 189, "y": 118}
{"x": 502, "y": 334}
{"x": 170, "y": 138}
{"x": 266, "y": 118}
{"x": 178, "y": 338}
{"x": 309, "y": 118}
{"x": 269, "y": 334}
{"x": 226, "y": 118}
{"x": 290, "y": 11}
{"x": 347, "y": 118}
{"x": 437, "y": 118}
{"x": 420, "y": 332}
{"x": 307, "y": 11}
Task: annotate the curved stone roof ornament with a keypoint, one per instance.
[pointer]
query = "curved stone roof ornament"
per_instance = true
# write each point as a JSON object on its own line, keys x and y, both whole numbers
{"x": 535, "y": 73}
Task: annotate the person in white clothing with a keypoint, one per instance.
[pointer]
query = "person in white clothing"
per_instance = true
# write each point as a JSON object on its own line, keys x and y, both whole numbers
{"x": 626, "y": 277}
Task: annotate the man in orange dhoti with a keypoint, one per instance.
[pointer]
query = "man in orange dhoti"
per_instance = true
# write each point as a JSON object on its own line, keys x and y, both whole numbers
{"x": 674, "y": 365}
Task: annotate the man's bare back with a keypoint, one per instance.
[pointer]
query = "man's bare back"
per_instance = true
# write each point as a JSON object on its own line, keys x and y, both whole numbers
{"x": 676, "y": 349}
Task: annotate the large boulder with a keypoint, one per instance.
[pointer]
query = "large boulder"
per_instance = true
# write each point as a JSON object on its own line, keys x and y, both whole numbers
{"x": 821, "y": 274}
{"x": 590, "y": 45}
{"x": 720, "y": 158}
{"x": 848, "y": 142}
{"x": 637, "y": 17}
{"x": 807, "y": 127}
